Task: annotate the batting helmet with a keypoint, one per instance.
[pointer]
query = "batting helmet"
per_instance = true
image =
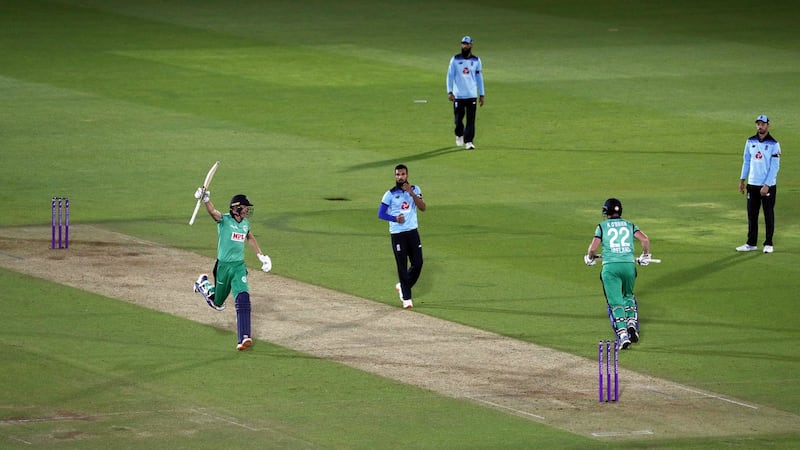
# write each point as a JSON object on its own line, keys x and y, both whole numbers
{"x": 612, "y": 207}
{"x": 240, "y": 200}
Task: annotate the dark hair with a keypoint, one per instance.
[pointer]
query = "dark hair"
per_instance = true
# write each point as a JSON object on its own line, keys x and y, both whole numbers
{"x": 400, "y": 166}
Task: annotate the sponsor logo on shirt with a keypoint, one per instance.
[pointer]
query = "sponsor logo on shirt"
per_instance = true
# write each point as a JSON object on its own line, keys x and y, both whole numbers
{"x": 238, "y": 237}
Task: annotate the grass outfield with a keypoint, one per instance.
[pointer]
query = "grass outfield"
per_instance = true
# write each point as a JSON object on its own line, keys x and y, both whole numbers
{"x": 123, "y": 106}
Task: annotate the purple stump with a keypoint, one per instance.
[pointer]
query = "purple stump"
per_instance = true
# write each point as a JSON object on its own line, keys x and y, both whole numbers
{"x": 608, "y": 371}
{"x": 66, "y": 224}
{"x": 600, "y": 371}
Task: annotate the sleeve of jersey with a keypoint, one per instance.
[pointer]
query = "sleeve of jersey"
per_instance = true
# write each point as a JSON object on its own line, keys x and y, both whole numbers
{"x": 383, "y": 213}
{"x": 774, "y": 166}
{"x": 450, "y": 77}
{"x": 479, "y": 78}
{"x": 745, "y": 162}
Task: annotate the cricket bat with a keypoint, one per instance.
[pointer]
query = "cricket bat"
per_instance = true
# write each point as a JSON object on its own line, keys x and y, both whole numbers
{"x": 205, "y": 186}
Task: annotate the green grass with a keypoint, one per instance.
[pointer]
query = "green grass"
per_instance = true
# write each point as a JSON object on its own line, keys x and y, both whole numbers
{"x": 123, "y": 106}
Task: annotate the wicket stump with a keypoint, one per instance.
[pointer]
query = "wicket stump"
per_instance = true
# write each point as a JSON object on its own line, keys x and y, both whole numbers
{"x": 59, "y": 219}
{"x": 604, "y": 361}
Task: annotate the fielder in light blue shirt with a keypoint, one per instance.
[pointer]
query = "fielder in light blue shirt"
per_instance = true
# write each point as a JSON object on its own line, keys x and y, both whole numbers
{"x": 760, "y": 164}
{"x": 465, "y": 90}
{"x": 399, "y": 207}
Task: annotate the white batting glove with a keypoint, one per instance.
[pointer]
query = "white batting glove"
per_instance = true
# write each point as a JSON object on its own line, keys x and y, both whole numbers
{"x": 589, "y": 260}
{"x": 644, "y": 259}
{"x": 205, "y": 195}
{"x": 266, "y": 263}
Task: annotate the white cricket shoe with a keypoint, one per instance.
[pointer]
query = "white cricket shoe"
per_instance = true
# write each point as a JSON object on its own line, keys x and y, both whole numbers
{"x": 245, "y": 344}
{"x": 203, "y": 286}
{"x": 746, "y": 248}
{"x": 408, "y": 304}
{"x": 469, "y": 146}
{"x": 624, "y": 340}
{"x": 768, "y": 249}
{"x": 459, "y": 141}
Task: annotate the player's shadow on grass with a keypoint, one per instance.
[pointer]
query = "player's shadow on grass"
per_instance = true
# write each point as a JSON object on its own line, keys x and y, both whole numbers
{"x": 692, "y": 274}
{"x": 406, "y": 159}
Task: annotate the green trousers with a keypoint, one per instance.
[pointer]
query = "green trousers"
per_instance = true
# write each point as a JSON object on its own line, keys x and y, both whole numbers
{"x": 618, "y": 281}
{"x": 228, "y": 277}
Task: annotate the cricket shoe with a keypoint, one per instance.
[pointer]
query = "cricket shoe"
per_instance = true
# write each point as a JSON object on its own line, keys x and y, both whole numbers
{"x": 408, "y": 304}
{"x": 469, "y": 146}
{"x": 768, "y": 249}
{"x": 459, "y": 141}
{"x": 633, "y": 333}
{"x": 399, "y": 290}
{"x": 746, "y": 248}
{"x": 203, "y": 286}
{"x": 245, "y": 344}
{"x": 624, "y": 340}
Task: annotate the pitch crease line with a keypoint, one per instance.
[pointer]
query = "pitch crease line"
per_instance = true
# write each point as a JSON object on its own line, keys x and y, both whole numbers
{"x": 496, "y": 405}
{"x": 719, "y": 398}
{"x": 227, "y": 420}
{"x": 621, "y": 433}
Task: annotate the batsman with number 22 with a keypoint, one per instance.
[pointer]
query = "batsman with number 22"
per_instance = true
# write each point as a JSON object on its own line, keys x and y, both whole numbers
{"x": 230, "y": 272}
{"x": 615, "y": 237}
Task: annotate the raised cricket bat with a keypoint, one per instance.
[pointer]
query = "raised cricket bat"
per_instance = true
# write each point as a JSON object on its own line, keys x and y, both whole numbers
{"x": 205, "y": 186}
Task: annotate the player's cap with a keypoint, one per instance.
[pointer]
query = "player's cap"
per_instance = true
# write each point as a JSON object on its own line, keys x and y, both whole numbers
{"x": 466, "y": 40}
{"x": 762, "y": 118}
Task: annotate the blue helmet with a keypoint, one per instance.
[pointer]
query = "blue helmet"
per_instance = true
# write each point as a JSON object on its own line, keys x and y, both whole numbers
{"x": 612, "y": 207}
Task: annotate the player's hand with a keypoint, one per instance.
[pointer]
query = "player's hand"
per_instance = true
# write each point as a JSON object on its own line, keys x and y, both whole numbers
{"x": 266, "y": 263}
{"x": 400, "y": 218}
{"x": 589, "y": 260}
{"x": 205, "y": 195}
{"x": 643, "y": 259}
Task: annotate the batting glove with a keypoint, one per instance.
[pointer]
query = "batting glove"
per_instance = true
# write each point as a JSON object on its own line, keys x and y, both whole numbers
{"x": 266, "y": 263}
{"x": 205, "y": 195}
{"x": 589, "y": 260}
{"x": 644, "y": 259}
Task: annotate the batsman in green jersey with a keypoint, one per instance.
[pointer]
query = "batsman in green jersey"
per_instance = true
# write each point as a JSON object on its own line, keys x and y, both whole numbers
{"x": 230, "y": 272}
{"x": 616, "y": 235}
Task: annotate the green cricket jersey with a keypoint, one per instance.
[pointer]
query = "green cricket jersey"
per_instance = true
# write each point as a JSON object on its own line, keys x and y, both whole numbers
{"x": 617, "y": 238}
{"x": 232, "y": 237}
